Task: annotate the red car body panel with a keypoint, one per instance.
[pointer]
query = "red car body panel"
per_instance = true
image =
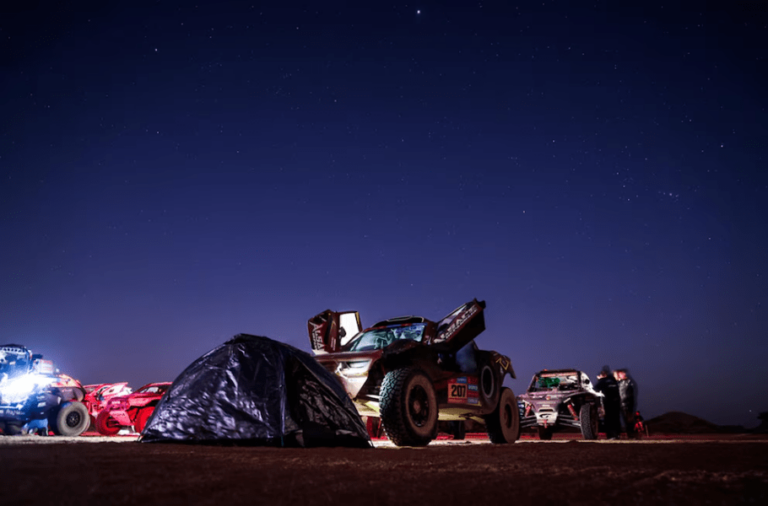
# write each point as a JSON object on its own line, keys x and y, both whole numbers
{"x": 98, "y": 395}
{"x": 128, "y": 410}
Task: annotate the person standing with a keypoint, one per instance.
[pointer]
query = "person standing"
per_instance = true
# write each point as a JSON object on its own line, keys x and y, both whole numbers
{"x": 609, "y": 387}
{"x": 627, "y": 390}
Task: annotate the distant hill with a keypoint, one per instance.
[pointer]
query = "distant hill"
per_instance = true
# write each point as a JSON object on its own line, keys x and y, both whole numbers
{"x": 676, "y": 422}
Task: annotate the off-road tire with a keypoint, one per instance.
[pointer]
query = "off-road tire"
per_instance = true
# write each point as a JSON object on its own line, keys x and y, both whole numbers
{"x": 545, "y": 434}
{"x": 503, "y": 425}
{"x": 408, "y": 407}
{"x": 106, "y": 425}
{"x": 141, "y": 418}
{"x": 71, "y": 419}
{"x": 588, "y": 421}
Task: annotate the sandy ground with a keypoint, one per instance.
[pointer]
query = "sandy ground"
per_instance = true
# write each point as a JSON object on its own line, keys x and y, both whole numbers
{"x": 118, "y": 470}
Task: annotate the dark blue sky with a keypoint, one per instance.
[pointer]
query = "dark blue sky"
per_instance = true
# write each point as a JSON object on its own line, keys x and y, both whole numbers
{"x": 171, "y": 175}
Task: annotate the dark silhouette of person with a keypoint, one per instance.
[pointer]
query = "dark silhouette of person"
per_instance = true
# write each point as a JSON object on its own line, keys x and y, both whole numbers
{"x": 627, "y": 391}
{"x": 609, "y": 387}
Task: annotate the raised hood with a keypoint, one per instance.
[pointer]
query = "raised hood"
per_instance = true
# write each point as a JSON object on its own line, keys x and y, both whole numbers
{"x": 461, "y": 325}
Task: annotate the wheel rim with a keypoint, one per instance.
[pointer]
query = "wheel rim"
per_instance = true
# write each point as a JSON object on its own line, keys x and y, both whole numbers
{"x": 107, "y": 425}
{"x": 418, "y": 406}
{"x": 73, "y": 419}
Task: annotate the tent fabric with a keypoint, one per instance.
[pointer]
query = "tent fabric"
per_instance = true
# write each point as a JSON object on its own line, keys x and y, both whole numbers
{"x": 256, "y": 391}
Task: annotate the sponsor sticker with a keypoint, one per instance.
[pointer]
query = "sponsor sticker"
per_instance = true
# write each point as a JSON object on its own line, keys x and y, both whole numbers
{"x": 463, "y": 391}
{"x": 317, "y": 338}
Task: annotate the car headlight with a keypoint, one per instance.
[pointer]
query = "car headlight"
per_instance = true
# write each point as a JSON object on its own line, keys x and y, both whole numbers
{"x": 18, "y": 389}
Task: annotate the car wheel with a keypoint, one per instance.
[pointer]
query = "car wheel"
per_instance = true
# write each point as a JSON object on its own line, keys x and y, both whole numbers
{"x": 545, "y": 433}
{"x": 503, "y": 425}
{"x": 588, "y": 419}
{"x": 106, "y": 425}
{"x": 408, "y": 407}
{"x": 141, "y": 419}
{"x": 71, "y": 420}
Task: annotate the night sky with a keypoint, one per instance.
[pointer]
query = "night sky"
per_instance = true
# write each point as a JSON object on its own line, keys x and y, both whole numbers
{"x": 173, "y": 174}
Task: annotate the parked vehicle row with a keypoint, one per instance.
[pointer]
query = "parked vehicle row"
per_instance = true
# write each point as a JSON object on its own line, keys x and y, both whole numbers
{"x": 36, "y": 398}
{"x": 409, "y": 376}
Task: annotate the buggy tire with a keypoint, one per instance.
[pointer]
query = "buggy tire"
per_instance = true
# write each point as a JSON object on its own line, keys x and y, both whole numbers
{"x": 503, "y": 425}
{"x": 106, "y": 425}
{"x": 545, "y": 434}
{"x": 408, "y": 407}
{"x": 72, "y": 419}
{"x": 141, "y": 418}
{"x": 588, "y": 421}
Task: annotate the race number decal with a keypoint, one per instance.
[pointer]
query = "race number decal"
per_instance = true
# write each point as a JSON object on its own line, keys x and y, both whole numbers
{"x": 462, "y": 391}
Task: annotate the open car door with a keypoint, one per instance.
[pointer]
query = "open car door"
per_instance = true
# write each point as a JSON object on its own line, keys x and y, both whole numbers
{"x": 461, "y": 326}
{"x": 330, "y": 330}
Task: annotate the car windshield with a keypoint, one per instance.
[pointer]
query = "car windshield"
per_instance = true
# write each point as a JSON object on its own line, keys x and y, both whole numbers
{"x": 554, "y": 381}
{"x": 153, "y": 389}
{"x": 380, "y": 337}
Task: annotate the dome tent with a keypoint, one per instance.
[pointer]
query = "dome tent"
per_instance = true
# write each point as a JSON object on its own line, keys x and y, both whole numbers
{"x": 253, "y": 390}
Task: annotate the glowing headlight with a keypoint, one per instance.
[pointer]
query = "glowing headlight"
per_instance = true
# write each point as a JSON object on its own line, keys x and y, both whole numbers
{"x": 18, "y": 389}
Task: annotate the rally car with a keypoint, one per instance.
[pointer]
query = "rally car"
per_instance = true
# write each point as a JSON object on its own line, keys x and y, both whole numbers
{"x": 411, "y": 372}
{"x": 96, "y": 396}
{"x": 560, "y": 398}
{"x": 130, "y": 410}
{"x": 35, "y": 397}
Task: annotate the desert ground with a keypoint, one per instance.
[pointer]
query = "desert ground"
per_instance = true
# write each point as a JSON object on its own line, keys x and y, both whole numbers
{"x": 720, "y": 469}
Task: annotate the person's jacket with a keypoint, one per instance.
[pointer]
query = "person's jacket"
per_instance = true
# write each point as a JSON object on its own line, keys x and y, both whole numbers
{"x": 627, "y": 393}
{"x": 610, "y": 388}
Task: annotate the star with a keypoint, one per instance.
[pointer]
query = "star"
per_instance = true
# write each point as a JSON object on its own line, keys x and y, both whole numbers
{"x": 418, "y": 11}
